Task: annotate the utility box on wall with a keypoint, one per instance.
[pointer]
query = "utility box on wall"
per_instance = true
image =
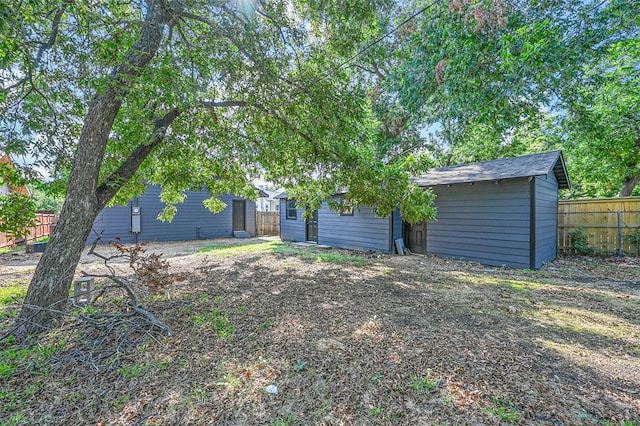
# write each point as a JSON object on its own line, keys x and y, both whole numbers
{"x": 135, "y": 219}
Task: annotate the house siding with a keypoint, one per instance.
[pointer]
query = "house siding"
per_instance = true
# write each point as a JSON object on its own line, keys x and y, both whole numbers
{"x": 192, "y": 221}
{"x": 363, "y": 231}
{"x": 291, "y": 229}
{"x": 546, "y": 226}
{"x": 486, "y": 222}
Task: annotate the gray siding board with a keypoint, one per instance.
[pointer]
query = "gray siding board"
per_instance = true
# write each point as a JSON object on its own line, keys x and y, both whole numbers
{"x": 488, "y": 208}
{"x": 460, "y": 240}
{"x": 514, "y": 256}
{"x": 486, "y": 223}
{"x": 471, "y": 223}
{"x": 493, "y": 214}
{"x": 192, "y": 220}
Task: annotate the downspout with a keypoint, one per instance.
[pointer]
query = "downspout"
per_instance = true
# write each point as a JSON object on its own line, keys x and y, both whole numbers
{"x": 532, "y": 223}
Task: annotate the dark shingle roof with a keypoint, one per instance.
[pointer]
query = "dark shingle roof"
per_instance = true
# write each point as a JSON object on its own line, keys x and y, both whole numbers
{"x": 507, "y": 168}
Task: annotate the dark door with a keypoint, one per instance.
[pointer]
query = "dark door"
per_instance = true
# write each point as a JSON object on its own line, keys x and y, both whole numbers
{"x": 415, "y": 237}
{"x": 312, "y": 227}
{"x": 239, "y": 216}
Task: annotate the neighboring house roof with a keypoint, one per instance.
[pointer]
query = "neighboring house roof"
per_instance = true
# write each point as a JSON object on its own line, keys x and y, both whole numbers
{"x": 6, "y": 159}
{"x": 285, "y": 195}
{"x": 269, "y": 194}
{"x": 507, "y": 168}
{"x": 262, "y": 194}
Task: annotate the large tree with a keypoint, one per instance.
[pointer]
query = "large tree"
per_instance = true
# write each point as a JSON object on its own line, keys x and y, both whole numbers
{"x": 111, "y": 95}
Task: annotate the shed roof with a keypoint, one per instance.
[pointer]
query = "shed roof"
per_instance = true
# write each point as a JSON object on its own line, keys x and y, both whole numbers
{"x": 507, "y": 168}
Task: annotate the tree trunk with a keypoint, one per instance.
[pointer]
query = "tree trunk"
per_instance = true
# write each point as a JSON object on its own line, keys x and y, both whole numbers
{"x": 49, "y": 287}
{"x": 628, "y": 185}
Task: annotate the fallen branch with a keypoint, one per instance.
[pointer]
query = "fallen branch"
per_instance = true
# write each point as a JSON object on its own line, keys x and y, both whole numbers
{"x": 122, "y": 284}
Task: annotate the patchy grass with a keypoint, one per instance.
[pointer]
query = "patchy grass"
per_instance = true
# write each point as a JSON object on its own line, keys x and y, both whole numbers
{"x": 225, "y": 250}
{"x": 14, "y": 292}
{"x": 7, "y": 250}
{"x": 270, "y": 247}
{"x": 271, "y": 334}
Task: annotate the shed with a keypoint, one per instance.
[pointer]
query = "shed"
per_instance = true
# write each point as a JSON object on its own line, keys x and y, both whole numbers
{"x": 137, "y": 222}
{"x": 502, "y": 212}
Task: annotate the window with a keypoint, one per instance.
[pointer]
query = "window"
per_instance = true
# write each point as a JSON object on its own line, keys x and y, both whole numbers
{"x": 292, "y": 211}
{"x": 346, "y": 209}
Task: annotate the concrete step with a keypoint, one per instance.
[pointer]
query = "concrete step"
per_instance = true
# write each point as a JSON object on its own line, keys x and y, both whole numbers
{"x": 241, "y": 234}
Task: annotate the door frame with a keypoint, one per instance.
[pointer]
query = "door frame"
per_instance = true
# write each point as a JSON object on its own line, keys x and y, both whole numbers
{"x": 234, "y": 210}
{"x": 307, "y": 226}
{"x": 407, "y": 241}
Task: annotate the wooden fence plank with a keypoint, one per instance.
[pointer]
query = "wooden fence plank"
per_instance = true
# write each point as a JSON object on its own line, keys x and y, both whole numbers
{"x": 44, "y": 222}
{"x": 267, "y": 223}
{"x": 609, "y": 224}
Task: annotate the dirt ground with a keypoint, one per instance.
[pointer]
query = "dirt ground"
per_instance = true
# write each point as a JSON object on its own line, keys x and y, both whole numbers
{"x": 272, "y": 334}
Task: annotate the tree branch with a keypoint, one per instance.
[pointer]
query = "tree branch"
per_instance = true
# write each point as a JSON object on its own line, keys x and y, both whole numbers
{"x": 287, "y": 124}
{"x": 121, "y": 283}
{"x": 55, "y": 30}
{"x": 112, "y": 183}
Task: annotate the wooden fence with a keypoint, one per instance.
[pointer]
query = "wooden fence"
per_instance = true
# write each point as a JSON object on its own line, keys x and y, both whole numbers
{"x": 267, "y": 223}
{"x": 44, "y": 220}
{"x": 606, "y": 226}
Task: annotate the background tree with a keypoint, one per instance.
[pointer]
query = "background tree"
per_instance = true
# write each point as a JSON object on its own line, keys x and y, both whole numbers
{"x": 16, "y": 215}
{"x": 186, "y": 94}
{"x": 477, "y": 80}
{"x": 17, "y": 209}
{"x": 603, "y": 124}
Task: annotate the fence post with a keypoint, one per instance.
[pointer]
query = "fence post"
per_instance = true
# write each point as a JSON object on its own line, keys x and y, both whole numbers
{"x": 620, "y": 254}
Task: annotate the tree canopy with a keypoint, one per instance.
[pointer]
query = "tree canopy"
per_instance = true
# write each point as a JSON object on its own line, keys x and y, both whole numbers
{"x": 244, "y": 88}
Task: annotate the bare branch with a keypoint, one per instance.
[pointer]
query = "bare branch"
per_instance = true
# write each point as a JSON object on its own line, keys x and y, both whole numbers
{"x": 122, "y": 284}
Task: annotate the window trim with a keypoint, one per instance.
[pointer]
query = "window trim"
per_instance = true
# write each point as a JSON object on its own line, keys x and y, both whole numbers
{"x": 289, "y": 210}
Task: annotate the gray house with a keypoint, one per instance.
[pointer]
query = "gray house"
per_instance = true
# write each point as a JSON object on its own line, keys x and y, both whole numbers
{"x": 137, "y": 222}
{"x": 501, "y": 212}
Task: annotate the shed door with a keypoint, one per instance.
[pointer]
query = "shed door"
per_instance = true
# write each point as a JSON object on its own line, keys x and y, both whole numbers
{"x": 415, "y": 237}
{"x": 312, "y": 227}
{"x": 239, "y": 216}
